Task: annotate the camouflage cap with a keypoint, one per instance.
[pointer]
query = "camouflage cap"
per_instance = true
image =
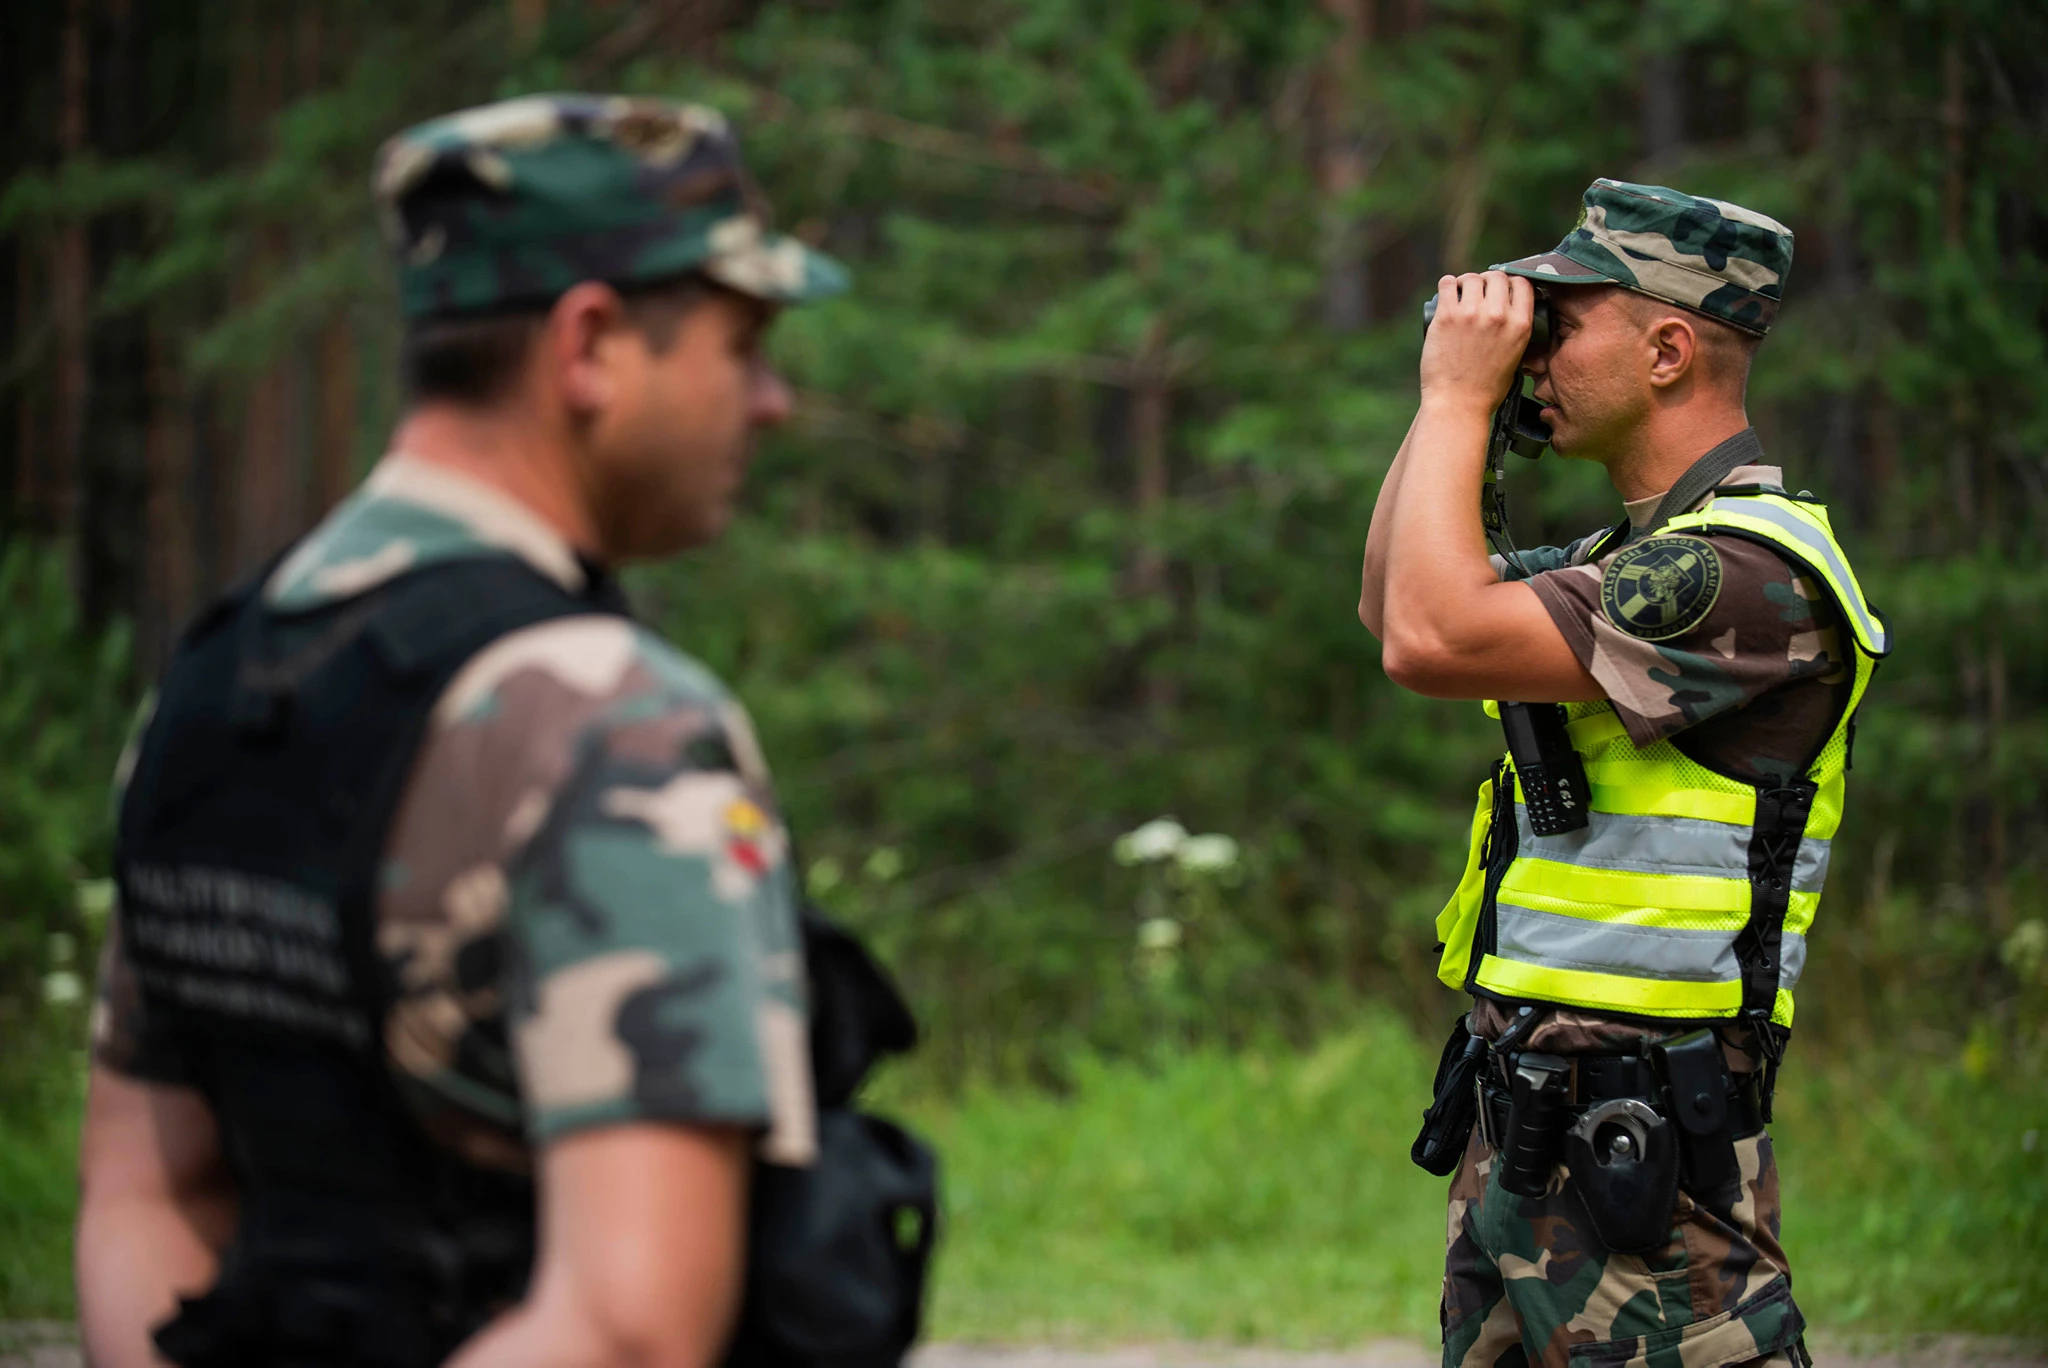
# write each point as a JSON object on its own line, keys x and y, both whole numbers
{"x": 1706, "y": 255}
{"x": 512, "y": 203}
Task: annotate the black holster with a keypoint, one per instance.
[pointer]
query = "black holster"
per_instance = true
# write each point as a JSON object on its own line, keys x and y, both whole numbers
{"x": 1454, "y": 1103}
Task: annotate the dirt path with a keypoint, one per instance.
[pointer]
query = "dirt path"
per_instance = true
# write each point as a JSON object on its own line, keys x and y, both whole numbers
{"x": 1924, "y": 1352}
{"x": 51, "y": 1345}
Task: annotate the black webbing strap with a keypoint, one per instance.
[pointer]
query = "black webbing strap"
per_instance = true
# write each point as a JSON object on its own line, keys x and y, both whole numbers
{"x": 1702, "y": 476}
{"x": 1781, "y": 814}
{"x": 1613, "y": 539}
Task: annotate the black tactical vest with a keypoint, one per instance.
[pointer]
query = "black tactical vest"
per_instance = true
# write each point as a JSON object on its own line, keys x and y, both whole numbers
{"x": 247, "y": 856}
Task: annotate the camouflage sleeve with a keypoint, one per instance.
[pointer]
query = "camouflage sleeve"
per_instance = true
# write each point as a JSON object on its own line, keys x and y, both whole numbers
{"x": 1678, "y": 629}
{"x": 588, "y": 888}
{"x": 1538, "y": 560}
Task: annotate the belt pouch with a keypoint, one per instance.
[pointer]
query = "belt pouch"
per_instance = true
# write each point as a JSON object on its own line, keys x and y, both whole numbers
{"x": 1696, "y": 1077}
{"x": 1447, "y": 1123}
{"x": 1623, "y": 1160}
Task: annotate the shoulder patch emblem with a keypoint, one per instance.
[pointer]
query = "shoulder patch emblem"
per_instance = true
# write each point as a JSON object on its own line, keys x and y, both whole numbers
{"x": 1661, "y": 586}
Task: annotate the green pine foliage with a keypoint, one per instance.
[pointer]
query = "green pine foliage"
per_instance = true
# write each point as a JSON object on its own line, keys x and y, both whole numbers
{"x": 64, "y": 709}
{"x": 1064, "y": 535}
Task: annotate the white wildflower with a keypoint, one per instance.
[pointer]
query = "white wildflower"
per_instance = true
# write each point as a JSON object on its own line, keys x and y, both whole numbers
{"x": 95, "y": 897}
{"x": 825, "y": 875}
{"x": 1158, "y": 839}
{"x": 1210, "y": 854}
{"x": 1158, "y": 934}
{"x": 2026, "y": 949}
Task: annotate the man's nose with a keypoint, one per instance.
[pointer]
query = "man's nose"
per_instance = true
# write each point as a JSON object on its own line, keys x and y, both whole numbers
{"x": 773, "y": 400}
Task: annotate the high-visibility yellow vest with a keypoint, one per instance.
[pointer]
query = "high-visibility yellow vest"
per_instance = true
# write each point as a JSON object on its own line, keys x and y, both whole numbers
{"x": 1690, "y": 893}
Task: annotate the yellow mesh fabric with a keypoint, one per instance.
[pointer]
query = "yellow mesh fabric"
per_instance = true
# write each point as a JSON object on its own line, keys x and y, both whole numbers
{"x": 1460, "y": 917}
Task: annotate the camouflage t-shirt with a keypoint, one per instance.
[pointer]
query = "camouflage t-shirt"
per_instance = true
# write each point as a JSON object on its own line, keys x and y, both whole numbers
{"x": 1751, "y": 688}
{"x": 587, "y": 899}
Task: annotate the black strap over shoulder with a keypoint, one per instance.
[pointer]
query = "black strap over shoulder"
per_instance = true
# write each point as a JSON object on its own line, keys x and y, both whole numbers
{"x": 1704, "y": 475}
{"x": 1781, "y": 815}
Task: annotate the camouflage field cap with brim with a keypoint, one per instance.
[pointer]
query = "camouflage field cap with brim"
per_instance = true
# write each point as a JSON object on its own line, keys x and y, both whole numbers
{"x": 509, "y": 204}
{"x": 1706, "y": 255}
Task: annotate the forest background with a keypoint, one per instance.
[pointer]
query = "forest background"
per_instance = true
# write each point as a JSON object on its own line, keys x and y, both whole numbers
{"x": 1065, "y": 538}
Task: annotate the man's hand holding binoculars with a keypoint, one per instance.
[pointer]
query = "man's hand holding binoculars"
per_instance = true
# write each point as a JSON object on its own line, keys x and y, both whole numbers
{"x": 1476, "y": 341}
{"x": 1448, "y": 626}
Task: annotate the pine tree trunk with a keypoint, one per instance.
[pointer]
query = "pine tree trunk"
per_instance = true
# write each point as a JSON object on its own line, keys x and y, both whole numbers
{"x": 113, "y": 474}
{"x": 1469, "y": 185}
{"x": 1663, "y": 79}
{"x": 334, "y": 460}
{"x": 31, "y": 416}
{"x": 1963, "y": 475}
{"x": 55, "y": 487}
{"x": 1341, "y": 168}
{"x": 172, "y": 582}
{"x": 529, "y": 18}
{"x": 1850, "y": 487}
{"x": 1151, "y": 415}
{"x": 263, "y": 515}
{"x": 1150, "y": 408}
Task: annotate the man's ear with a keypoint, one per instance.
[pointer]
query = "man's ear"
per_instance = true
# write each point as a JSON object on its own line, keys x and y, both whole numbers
{"x": 580, "y": 346}
{"x": 1677, "y": 350}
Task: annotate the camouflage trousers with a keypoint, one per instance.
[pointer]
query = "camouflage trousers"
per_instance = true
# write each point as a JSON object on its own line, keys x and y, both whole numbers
{"x": 1526, "y": 1283}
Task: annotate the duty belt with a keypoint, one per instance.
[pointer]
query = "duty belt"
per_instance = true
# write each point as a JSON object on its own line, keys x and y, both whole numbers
{"x": 1598, "y": 1078}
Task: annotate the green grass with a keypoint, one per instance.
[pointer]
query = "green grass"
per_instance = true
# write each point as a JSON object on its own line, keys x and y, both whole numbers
{"x": 39, "y": 1110}
{"x": 1216, "y": 1197}
{"x": 1268, "y": 1197}
{"x": 1912, "y": 1199}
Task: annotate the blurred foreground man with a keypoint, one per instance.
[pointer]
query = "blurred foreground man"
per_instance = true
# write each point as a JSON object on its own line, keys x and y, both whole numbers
{"x": 1646, "y": 861}
{"x": 451, "y": 897}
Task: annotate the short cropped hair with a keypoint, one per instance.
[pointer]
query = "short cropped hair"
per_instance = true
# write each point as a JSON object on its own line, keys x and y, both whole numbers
{"x": 1726, "y": 349}
{"x": 475, "y": 360}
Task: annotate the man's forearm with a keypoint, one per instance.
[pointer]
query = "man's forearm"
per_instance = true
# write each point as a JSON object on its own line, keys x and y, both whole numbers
{"x": 1436, "y": 553}
{"x": 156, "y": 1206}
{"x": 136, "y": 1258}
{"x": 643, "y": 1238}
{"x": 1372, "y": 588}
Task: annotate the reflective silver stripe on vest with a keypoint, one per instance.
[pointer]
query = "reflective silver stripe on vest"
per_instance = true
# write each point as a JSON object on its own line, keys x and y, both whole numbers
{"x": 1823, "y": 550}
{"x": 1666, "y": 845}
{"x": 1791, "y": 959}
{"x": 1654, "y": 952}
